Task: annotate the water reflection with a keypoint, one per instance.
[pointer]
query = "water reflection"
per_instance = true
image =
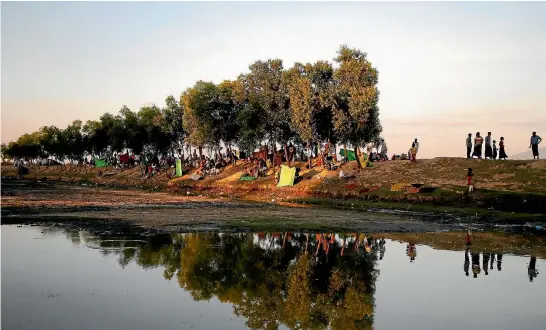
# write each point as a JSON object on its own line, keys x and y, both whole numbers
{"x": 294, "y": 280}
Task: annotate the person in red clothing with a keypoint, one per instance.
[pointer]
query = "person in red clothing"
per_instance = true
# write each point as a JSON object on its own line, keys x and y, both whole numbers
{"x": 468, "y": 239}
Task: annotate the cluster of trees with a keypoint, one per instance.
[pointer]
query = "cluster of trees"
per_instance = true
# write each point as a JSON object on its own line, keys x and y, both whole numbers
{"x": 307, "y": 103}
{"x": 282, "y": 284}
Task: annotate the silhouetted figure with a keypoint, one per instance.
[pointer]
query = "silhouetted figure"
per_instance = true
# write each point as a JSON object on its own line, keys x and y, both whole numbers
{"x": 466, "y": 261}
{"x": 476, "y": 264}
{"x": 492, "y": 261}
{"x": 502, "y": 152}
{"x": 485, "y": 262}
{"x": 469, "y": 146}
{"x": 478, "y": 142}
{"x": 532, "y": 270}
{"x": 499, "y": 261}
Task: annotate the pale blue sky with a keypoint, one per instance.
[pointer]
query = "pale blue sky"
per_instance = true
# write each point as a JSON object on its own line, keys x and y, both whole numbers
{"x": 439, "y": 63}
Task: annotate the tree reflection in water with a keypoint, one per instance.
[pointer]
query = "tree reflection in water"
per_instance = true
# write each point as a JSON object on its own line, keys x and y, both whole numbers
{"x": 305, "y": 281}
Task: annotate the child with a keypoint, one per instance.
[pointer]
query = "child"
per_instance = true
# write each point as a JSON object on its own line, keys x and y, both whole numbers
{"x": 494, "y": 149}
{"x": 469, "y": 176}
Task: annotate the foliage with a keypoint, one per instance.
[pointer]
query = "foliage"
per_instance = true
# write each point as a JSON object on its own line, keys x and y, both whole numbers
{"x": 311, "y": 102}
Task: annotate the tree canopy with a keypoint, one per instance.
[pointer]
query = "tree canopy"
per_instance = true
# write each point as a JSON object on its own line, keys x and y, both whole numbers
{"x": 313, "y": 103}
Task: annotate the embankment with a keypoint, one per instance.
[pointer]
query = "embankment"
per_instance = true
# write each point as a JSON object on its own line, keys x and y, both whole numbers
{"x": 507, "y": 187}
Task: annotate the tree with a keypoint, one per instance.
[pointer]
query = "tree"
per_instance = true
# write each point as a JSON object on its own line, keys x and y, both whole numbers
{"x": 310, "y": 90}
{"x": 173, "y": 124}
{"x": 355, "y": 110}
{"x": 199, "y": 104}
{"x": 268, "y": 91}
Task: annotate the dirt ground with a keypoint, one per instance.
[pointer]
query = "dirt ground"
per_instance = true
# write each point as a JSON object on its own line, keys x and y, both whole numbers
{"x": 34, "y": 201}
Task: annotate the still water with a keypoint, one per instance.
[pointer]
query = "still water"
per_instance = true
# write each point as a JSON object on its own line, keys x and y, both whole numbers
{"x": 55, "y": 278}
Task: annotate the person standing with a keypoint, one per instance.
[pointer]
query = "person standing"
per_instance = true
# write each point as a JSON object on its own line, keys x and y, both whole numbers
{"x": 478, "y": 141}
{"x": 535, "y": 140}
{"x": 502, "y": 153}
{"x": 469, "y": 146}
{"x": 495, "y": 150}
{"x": 488, "y": 149}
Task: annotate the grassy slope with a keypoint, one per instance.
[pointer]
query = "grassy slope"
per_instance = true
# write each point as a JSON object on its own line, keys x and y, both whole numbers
{"x": 518, "y": 186}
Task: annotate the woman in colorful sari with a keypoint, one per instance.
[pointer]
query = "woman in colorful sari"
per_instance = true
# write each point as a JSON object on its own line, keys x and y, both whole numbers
{"x": 478, "y": 141}
{"x": 413, "y": 152}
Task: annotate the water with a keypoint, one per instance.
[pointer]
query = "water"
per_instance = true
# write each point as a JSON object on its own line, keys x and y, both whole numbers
{"x": 55, "y": 278}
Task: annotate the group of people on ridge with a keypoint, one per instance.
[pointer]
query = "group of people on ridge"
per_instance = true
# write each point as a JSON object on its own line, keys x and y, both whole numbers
{"x": 491, "y": 151}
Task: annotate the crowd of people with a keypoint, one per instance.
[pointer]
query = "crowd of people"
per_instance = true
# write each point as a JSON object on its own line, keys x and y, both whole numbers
{"x": 491, "y": 151}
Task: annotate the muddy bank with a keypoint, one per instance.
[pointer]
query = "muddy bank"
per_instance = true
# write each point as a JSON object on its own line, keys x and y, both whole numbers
{"x": 511, "y": 186}
{"x": 142, "y": 212}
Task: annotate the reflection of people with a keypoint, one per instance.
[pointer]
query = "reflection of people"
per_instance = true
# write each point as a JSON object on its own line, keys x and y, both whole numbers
{"x": 411, "y": 251}
{"x": 499, "y": 261}
{"x": 382, "y": 249}
{"x": 532, "y": 270}
{"x": 476, "y": 264}
{"x": 466, "y": 261}
{"x": 492, "y": 261}
{"x": 485, "y": 263}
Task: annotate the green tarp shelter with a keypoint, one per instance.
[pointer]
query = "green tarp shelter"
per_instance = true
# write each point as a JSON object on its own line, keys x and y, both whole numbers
{"x": 288, "y": 174}
{"x": 178, "y": 168}
{"x": 351, "y": 153}
{"x": 100, "y": 162}
{"x": 247, "y": 178}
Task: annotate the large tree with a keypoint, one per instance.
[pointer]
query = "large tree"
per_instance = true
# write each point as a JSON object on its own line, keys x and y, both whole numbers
{"x": 310, "y": 89}
{"x": 355, "y": 109}
{"x": 268, "y": 91}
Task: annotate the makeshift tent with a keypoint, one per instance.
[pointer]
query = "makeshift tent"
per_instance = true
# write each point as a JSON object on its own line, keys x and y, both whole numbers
{"x": 100, "y": 162}
{"x": 288, "y": 174}
{"x": 351, "y": 154}
{"x": 178, "y": 167}
{"x": 247, "y": 178}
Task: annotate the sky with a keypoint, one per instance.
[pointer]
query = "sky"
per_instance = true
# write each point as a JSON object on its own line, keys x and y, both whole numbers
{"x": 445, "y": 69}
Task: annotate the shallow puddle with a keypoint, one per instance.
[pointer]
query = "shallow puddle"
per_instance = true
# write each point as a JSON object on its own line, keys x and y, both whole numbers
{"x": 55, "y": 278}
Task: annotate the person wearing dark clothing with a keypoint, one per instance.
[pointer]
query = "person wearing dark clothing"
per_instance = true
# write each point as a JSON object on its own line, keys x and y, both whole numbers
{"x": 478, "y": 142}
{"x": 535, "y": 141}
{"x": 466, "y": 262}
{"x": 502, "y": 153}
{"x": 488, "y": 149}
{"x": 476, "y": 264}
{"x": 492, "y": 261}
{"x": 485, "y": 262}
{"x": 532, "y": 270}
{"x": 469, "y": 146}
{"x": 499, "y": 261}
{"x": 495, "y": 150}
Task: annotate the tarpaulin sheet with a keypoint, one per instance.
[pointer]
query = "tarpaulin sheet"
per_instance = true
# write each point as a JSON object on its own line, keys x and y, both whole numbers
{"x": 288, "y": 174}
{"x": 351, "y": 154}
{"x": 178, "y": 168}
{"x": 100, "y": 162}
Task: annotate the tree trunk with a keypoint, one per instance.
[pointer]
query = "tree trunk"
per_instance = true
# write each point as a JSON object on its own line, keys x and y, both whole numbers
{"x": 357, "y": 151}
{"x": 310, "y": 153}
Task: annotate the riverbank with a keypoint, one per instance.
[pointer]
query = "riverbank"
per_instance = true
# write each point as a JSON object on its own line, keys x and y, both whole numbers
{"x": 46, "y": 202}
{"x": 513, "y": 187}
